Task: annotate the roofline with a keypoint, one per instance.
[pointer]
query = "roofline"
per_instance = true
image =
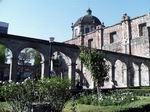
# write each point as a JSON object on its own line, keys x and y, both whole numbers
{"x": 46, "y": 42}
{"x": 23, "y": 38}
{"x": 4, "y": 24}
{"x": 82, "y": 17}
{"x": 130, "y": 20}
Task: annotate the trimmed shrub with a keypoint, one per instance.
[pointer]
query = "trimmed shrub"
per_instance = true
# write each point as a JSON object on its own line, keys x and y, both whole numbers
{"x": 21, "y": 96}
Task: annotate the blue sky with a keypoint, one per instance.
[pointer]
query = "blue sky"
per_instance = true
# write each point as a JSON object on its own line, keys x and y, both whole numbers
{"x": 45, "y": 18}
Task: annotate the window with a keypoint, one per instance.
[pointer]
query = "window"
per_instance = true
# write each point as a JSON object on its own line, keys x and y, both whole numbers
{"x": 76, "y": 31}
{"x": 142, "y": 29}
{"x": 113, "y": 36}
{"x": 82, "y": 31}
{"x": 87, "y": 30}
{"x": 90, "y": 43}
{"x": 149, "y": 32}
{"x": 92, "y": 28}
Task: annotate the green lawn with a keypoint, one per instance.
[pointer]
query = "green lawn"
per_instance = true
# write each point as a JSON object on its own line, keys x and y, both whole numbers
{"x": 91, "y": 108}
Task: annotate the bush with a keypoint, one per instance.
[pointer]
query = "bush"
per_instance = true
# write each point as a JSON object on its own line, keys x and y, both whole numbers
{"x": 118, "y": 97}
{"x": 21, "y": 96}
{"x": 140, "y": 92}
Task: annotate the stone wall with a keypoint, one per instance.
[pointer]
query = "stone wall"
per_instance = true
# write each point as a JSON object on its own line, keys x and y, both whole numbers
{"x": 128, "y": 41}
{"x": 94, "y": 36}
{"x": 75, "y": 41}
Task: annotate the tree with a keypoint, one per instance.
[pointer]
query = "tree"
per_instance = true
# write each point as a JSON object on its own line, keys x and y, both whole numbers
{"x": 37, "y": 58}
{"x": 2, "y": 54}
{"x": 26, "y": 56}
{"x": 94, "y": 61}
{"x": 29, "y": 57}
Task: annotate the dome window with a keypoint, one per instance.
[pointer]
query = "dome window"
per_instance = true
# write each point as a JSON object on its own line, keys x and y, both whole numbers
{"x": 87, "y": 30}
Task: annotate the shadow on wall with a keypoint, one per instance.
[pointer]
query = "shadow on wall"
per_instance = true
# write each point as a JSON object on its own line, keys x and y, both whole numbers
{"x": 60, "y": 67}
{"x": 83, "y": 78}
{"x": 131, "y": 76}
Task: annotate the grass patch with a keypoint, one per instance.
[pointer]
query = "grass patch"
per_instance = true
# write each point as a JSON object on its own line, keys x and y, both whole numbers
{"x": 91, "y": 108}
{"x": 4, "y": 107}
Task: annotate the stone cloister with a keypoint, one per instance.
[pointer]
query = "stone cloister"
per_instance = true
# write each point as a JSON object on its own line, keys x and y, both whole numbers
{"x": 135, "y": 71}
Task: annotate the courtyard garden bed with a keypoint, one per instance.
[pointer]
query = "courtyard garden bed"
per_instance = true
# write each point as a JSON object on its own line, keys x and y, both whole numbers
{"x": 142, "y": 105}
{"x": 53, "y": 94}
{"x": 34, "y": 94}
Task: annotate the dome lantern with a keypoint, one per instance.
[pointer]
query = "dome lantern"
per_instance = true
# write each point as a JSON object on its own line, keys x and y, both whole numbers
{"x": 89, "y": 11}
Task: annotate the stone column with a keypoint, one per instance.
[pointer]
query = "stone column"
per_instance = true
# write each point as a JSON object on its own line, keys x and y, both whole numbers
{"x": 13, "y": 69}
{"x": 149, "y": 74}
{"x": 73, "y": 71}
{"x": 42, "y": 69}
{"x": 139, "y": 75}
{"x": 45, "y": 69}
{"x": 52, "y": 66}
{"x": 128, "y": 75}
{"x": 126, "y": 25}
{"x": 102, "y": 35}
{"x": 113, "y": 76}
{"x": 148, "y": 29}
{"x": 100, "y": 30}
{"x": 113, "y": 73}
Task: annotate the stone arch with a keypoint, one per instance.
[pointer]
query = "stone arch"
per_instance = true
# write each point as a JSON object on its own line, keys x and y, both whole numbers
{"x": 8, "y": 54}
{"x": 7, "y": 46}
{"x": 120, "y": 74}
{"x": 70, "y": 52}
{"x": 26, "y": 64}
{"x": 81, "y": 75}
{"x": 5, "y": 66}
{"x": 108, "y": 83}
{"x": 61, "y": 65}
{"x": 144, "y": 75}
{"x": 88, "y": 77}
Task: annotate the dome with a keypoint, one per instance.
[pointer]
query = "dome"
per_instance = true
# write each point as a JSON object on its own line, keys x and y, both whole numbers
{"x": 88, "y": 19}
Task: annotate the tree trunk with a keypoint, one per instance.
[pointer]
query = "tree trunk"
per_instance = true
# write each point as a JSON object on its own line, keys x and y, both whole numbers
{"x": 99, "y": 95}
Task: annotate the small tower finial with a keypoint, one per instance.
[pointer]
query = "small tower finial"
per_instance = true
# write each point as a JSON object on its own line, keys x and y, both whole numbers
{"x": 89, "y": 11}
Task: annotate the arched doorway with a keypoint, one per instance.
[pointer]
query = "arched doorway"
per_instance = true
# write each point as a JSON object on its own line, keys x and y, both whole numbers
{"x": 144, "y": 75}
{"x": 108, "y": 83}
{"x": 83, "y": 76}
{"x": 29, "y": 64}
{"x": 120, "y": 74}
{"x": 61, "y": 65}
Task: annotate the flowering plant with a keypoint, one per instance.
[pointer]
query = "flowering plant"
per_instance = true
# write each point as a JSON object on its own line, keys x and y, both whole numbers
{"x": 118, "y": 97}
